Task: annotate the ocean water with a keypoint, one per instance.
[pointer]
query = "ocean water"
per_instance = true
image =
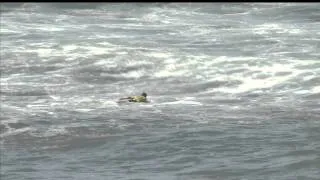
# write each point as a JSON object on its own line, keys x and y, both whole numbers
{"x": 234, "y": 91}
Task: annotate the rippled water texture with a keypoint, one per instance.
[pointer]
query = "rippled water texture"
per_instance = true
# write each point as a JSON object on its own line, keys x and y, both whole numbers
{"x": 234, "y": 91}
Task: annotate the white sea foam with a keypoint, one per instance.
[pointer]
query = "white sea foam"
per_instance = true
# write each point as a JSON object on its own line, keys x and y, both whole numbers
{"x": 269, "y": 28}
{"x": 316, "y": 89}
{"x": 54, "y": 130}
{"x": 182, "y": 102}
{"x": 12, "y": 131}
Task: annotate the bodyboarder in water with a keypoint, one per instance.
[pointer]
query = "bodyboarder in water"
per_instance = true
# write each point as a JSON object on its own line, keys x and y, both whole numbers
{"x": 141, "y": 98}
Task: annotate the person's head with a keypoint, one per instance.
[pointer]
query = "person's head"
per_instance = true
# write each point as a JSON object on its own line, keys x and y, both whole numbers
{"x": 144, "y": 94}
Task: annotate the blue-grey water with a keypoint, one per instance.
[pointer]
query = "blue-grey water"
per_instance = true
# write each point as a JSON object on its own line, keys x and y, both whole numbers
{"x": 234, "y": 91}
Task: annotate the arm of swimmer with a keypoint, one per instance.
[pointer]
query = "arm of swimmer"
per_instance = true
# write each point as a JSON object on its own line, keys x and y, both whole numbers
{"x": 125, "y": 98}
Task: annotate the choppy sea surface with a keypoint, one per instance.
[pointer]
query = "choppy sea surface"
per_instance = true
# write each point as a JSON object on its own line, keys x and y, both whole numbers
{"x": 234, "y": 91}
